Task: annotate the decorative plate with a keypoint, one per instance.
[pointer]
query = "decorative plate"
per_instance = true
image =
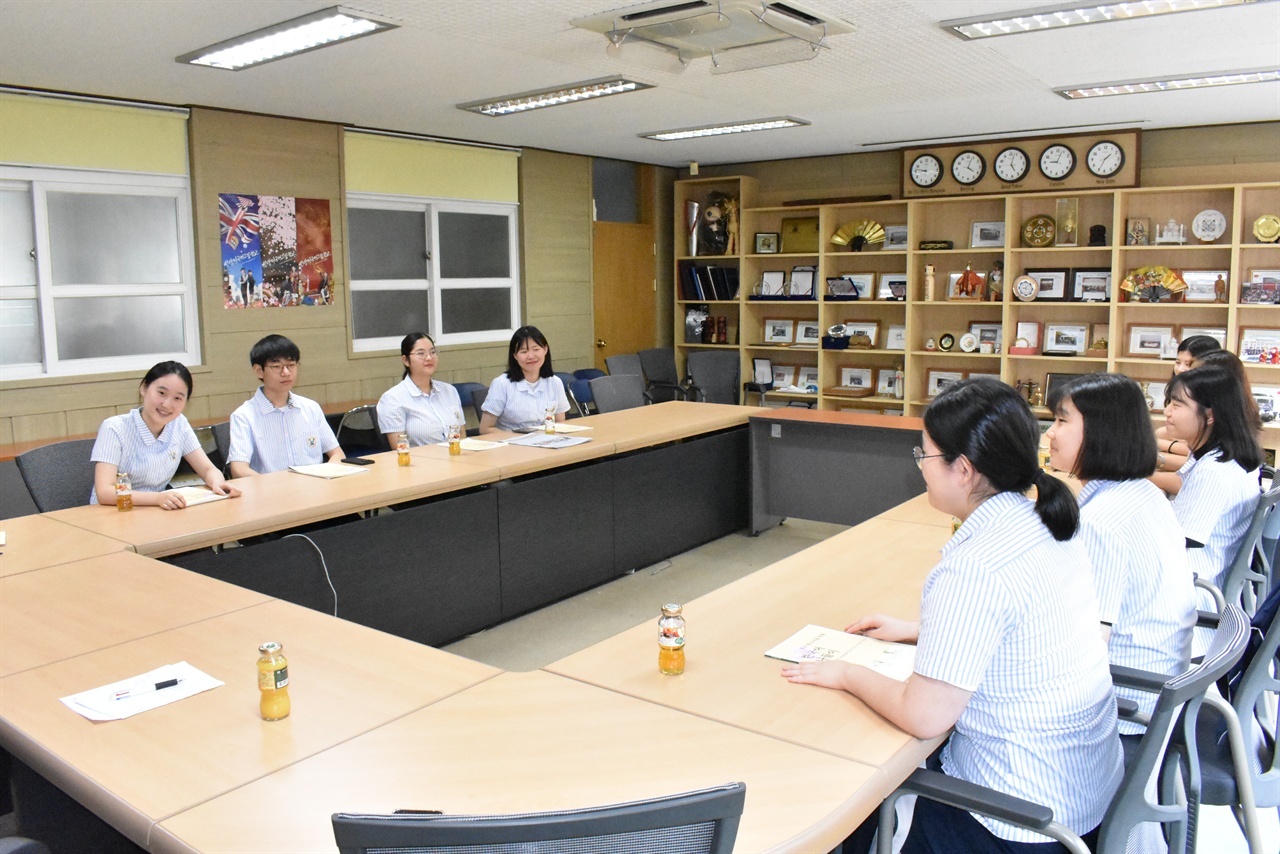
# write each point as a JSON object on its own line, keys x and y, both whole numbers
{"x": 946, "y": 342}
{"x": 1209, "y": 225}
{"x": 968, "y": 342}
{"x": 1267, "y": 228}
{"x": 1038, "y": 231}
{"x": 1026, "y": 288}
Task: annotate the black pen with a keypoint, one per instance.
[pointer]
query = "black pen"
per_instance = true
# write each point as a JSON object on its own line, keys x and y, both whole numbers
{"x": 159, "y": 686}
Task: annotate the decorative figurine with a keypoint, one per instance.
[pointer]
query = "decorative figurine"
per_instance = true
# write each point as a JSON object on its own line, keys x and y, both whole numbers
{"x": 928, "y": 283}
{"x": 1220, "y": 289}
{"x": 969, "y": 285}
{"x": 1097, "y": 235}
{"x": 1171, "y": 232}
{"x": 930, "y": 344}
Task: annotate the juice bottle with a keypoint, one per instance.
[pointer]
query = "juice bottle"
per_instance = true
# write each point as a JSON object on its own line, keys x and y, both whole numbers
{"x": 549, "y": 423}
{"x": 273, "y": 682}
{"x": 402, "y": 449}
{"x": 455, "y": 435}
{"x": 671, "y": 641}
{"x": 124, "y": 492}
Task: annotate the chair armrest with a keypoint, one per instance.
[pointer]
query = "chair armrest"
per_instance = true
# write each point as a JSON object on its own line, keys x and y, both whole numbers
{"x": 1143, "y": 680}
{"x": 1206, "y": 620}
{"x": 1219, "y": 601}
{"x": 970, "y": 796}
{"x": 1127, "y": 709}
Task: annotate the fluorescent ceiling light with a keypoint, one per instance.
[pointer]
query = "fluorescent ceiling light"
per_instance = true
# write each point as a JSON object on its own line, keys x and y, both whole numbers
{"x": 718, "y": 130}
{"x": 586, "y": 90}
{"x": 310, "y": 32}
{"x": 1138, "y": 87}
{"x": 1053, "y": 17}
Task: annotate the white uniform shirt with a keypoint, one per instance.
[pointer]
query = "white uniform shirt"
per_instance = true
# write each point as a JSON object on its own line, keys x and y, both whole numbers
{"x": 1009, "y": 614}
{"x": 271, "y": 439}
{"x": 1213, "y": 507}
{"x": 404, "y": 408}
{"x": 519, "y": 404}
{"x": 1144, "y": 584}
{"x": 126, "y": 442}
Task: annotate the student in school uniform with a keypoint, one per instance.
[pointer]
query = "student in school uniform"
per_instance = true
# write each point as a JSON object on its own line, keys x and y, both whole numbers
{"x": 277, "y": 428}
{"x": 148, "y": 442}
{"x": 1173, "y": 454}
{"x": 521, "y": 397}
{"x": 1008, "y": 648}
{"x": 1207, "y": 410}
{"x": 1101, "y": 433}
{"x": 420, "y": 406}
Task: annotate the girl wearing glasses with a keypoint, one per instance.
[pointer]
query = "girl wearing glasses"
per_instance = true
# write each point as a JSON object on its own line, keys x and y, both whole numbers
{"x": 1146, "y": 595}
{"x": 420, "y": 406}
{"x": 148, "y": 442}
{"x": 1008, "y": 649}
{"x": 522, "y": 396}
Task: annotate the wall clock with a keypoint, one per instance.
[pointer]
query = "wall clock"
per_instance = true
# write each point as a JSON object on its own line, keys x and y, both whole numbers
{"x": 968, "y": 168}
{"x": 1057, "y": 162}
{"x": 1105, "y": 158}
{"x": 926, "y": 170}
{"x": 1012, "y": 165}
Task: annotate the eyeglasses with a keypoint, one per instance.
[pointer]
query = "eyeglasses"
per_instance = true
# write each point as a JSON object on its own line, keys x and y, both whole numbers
{"x": 281, "y": 367}
{"x": 918, "y": 454}
{"x": 422, "y": 354}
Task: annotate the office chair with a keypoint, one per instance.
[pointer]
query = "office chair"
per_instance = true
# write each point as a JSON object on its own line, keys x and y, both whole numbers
{"x": 222, "y": 446}
{"x": 59, "y": 475}
{"x": 699, "y": 822}
{"x": 714, "y": 374}
{"x": 465, "y": 390}
{"x": 662, "y": 379}
{"x": 580, "y": 396}
{"x": 623, "y": 391}
{"x": 566, "y": 379}
{"x": 477, "y": 401}
{"x": 1177, "y": 708}
{"x": 1248, "y": 576}
{"x": 627, "y": 363}
{"x": 358, "y": 432}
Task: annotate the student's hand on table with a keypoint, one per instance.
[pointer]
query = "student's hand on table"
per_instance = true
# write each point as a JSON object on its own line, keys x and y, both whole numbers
{"x": 170, "y": 500}
{"x": 885, "y": 628}
{"x": 225, "y": 488}
{"x": 827, "y": 674}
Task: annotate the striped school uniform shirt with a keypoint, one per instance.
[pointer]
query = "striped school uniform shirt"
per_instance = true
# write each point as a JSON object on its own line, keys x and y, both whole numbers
{"x": 1214, "y": 507}
{"x": 1140, "y": 572}
{"x": 271, "y": 439}
{"x": 125, "y": 441}
{"x": 518, "y": 404}
{"x": 1010, "y": 615}
{"x": 405, "y": 408}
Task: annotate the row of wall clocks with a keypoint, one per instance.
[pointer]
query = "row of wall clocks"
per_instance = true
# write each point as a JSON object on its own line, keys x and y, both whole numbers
{"x": 1025, "y": 165}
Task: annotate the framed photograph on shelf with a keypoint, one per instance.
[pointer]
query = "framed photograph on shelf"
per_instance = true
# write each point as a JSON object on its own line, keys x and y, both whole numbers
{"x": 783, "y": 376}
{"x": 895, "y": 237}
{"x": 986, "y": 235}
{"x": 1147, "y": 341}
{"x": 869, "y": 328}
{"x": 1137, "y": 231}
{"x": 896, "y": 337}
{"x": 1218, "y": 333}
{"x": 808, "y": 333}
{"x": 842, "y": 288}
{"x": 864, "y": 283}
{"x": 779, "y": 330}
{"x": 773, "y": 283}
{"x": 1053, "y": 284}
{"x": 887, "y": 382}
{"x": 800, "y": 234}
{"x": 1026, "y": 338}
{"x": 1050, "y": 380}
{"x": 988, "y": 333}
{"x": 857, "y": 378}
{"x": 1156, "y": 391}
{"x": 1260, "y": 346}
{"x": 979, "y": 375}
{"x": 807, "y": 378}
{"x": 1205, "y": 285}
{"x": 766, "y": 242}
{"x": 1263, "y": 287}
{"x": 893, "y": 286}
{"x": 938, "y": 380}
{"x": 802, "y": 281}
{"x": 1065, "y": 339}
{"x": 1091, "y": 284}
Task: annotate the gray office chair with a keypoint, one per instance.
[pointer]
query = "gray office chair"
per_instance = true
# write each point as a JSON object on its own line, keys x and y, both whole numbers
{"x": 222, "y": 444}
{"x": 358, "y": 432}
{"x": 628, "y": 363}
{"x": 700, "y": 822}
{"x": 1248, "y": 576}
{"x": 58, "y": 476}
{"x": 714, "y": 374}
{"x": 21, "y": 845}
{"x": 662, "y": 379}
{"x": 1177, "y": 707}
{"x": 621, "y": 391}
{"x": 477, "y": 400}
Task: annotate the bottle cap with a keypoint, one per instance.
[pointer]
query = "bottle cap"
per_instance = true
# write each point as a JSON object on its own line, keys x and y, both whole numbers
{"x": 672, "y": 610}
{"x": 270, "y": 648}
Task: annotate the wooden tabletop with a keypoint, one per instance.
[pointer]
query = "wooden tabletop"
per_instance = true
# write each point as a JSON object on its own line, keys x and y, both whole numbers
{"x": 516, "y": 460}
{"x": 534, "y": 741}
{"x": 918, "y": 510}
{"x": 34, "y": 542}
{"x": 274, "y": 501}
{"x": 344, "y": 680}
{"x": 878, "y": 566}
{"x": 843, "y": 418}
{"x": 79, "y": 607}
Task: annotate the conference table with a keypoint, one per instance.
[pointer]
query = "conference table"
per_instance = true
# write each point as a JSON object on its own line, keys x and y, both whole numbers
{"x": 34, "y": 542}
{"x": 381, "y": 723}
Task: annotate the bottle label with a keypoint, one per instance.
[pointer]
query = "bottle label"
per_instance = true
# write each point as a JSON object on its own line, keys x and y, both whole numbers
{"x": 282, "y": 677}
{"x": 273, "y": 679}
{"x": 672, "y": 640}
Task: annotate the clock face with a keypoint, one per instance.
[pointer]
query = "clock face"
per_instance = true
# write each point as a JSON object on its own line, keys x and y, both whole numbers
{"x": 968, "y": 168}
{"x": 926, "y": 170}
{"x": 1057, "y": 162}
{"x": 1012, "y": 165}
{"x": 1209, "y": 225}
{"x": 1105, "y": 159}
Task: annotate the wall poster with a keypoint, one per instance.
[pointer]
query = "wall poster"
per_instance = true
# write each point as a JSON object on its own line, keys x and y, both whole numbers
{"x": 277, "y": 251}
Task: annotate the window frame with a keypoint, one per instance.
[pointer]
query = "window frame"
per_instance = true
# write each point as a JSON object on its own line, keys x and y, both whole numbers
{"x": 435, "y": 284}
{"x": 37, "y": 183}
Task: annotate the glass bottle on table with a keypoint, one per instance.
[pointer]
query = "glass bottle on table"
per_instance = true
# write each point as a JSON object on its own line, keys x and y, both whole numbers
{"x": 549, "y": 423}
{"x": 455, "y": 434}
{"x": 124, "y": 492}
{"x": 671, "y": 640}
{"x": 402, "y": 449}
{"x": 273, "y": 682}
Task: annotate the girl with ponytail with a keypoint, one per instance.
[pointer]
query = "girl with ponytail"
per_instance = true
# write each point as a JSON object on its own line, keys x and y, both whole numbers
{"x": 1009, "y": 653}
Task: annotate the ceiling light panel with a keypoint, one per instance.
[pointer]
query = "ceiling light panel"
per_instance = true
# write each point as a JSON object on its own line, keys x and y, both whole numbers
{"x": 299, "y": 35}
{"x": 720, "y": 130}
{"x": 1055, "y": 17}
{"x": 1173, "y": 84}
{"x": 506, "y": 105}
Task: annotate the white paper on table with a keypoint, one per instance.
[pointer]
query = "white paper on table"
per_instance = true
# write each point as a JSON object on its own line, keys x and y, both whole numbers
{"x": 543, "y": 440}
{"x": 100, "y": 704}
{"x": 470, "y": 444}
{"x": 329, "y": 470}
{"x": 561, "y": 427}
{"x": 194, "y": 495}
{"x": 815, "y": 643}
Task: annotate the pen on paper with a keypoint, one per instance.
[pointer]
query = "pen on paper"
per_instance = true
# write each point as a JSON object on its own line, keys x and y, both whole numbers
{"x": 145, "y": 689}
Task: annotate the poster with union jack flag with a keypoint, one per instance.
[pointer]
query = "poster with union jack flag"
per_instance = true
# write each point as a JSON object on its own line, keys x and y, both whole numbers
{"x": 277, "y": 251}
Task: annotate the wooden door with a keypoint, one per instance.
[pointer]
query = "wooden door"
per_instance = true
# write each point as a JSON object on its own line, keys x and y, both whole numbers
{"x": 623, "y": 288}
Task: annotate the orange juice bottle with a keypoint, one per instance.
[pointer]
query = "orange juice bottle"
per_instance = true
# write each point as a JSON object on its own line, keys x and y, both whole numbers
{"x": 671, "y": 641}
{"x": 273, "y": 682}
{"x": 402, "y": 449}
{"x": 124, "y": 492}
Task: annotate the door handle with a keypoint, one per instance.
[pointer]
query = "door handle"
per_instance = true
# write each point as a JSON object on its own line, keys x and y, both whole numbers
{"x": 600, "y": 342}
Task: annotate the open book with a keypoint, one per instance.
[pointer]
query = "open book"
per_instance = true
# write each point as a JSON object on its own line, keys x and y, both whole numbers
{"x": 544, "y": 440}
{"x": 194, "y": 495}
{"x": 329, "y": 471}
{"x": 561, "y": 427}
{"x": 815, "y": 643}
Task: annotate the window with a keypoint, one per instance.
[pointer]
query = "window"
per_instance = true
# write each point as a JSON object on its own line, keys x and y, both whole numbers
{"x": 96, "y": 272}
{"x": 444, "y": 267}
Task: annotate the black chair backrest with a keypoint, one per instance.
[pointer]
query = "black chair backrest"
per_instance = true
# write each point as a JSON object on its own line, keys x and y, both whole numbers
{"x": 699, "y": 822}
{"x": 614, "y": 392}
{"x": 465, "y": 390}
{"x": 358, "y": 432}
{"x": 715, "y": 375}
{"x": 627, "y": 363}
{"x": 59, "y": 475}
{"x": 477, "y": 400}
{"x": 222, "y": 445}
{"x": 659, "y": 364}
